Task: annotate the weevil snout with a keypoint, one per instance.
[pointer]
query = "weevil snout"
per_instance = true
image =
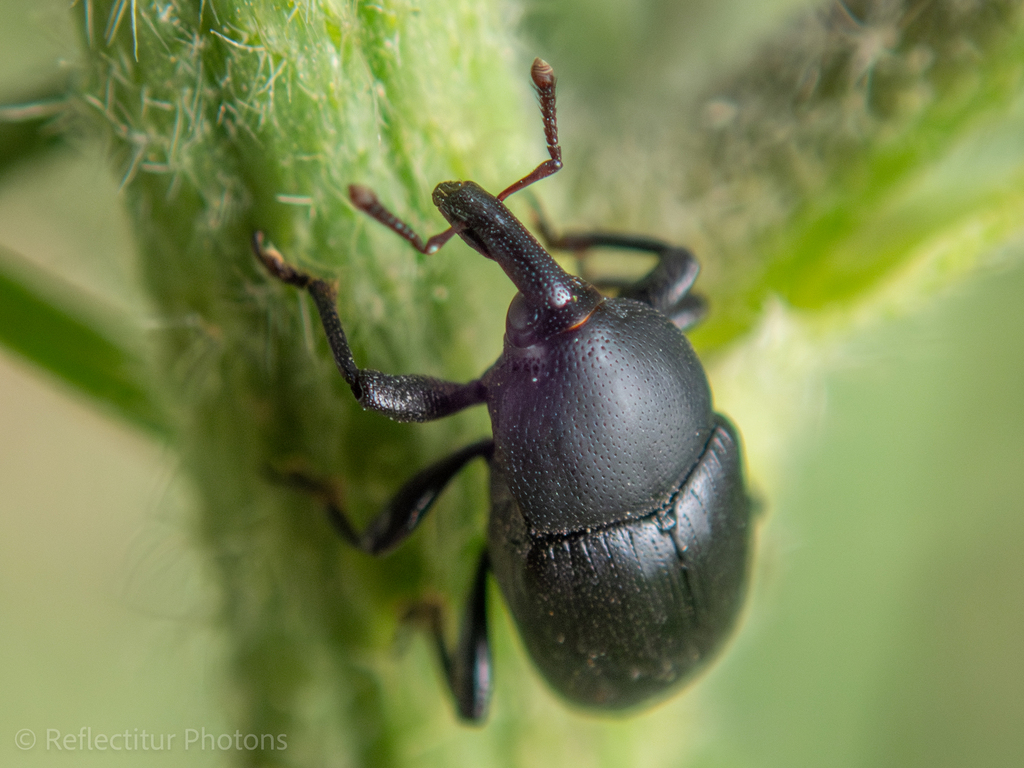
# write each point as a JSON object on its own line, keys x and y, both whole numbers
{"x": 444, "y": 190}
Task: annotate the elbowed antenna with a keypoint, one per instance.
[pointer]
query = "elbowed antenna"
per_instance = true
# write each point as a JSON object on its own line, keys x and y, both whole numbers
{"x": 544, "y": 81}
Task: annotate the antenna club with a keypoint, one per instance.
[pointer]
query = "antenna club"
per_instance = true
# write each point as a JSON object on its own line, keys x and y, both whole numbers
{"x": 543, "y": 75}
{"x": 362, "y": 197}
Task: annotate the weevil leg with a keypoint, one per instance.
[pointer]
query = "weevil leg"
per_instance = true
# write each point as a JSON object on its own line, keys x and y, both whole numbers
{"x": 402, "y": 398}
{"x": 467, "y": 668}
{"x": 402, "y": 513}
{"x": 666, "y": 287}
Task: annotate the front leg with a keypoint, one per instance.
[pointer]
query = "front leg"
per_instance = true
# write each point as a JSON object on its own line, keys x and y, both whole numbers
{"x": 402, "y": 398}
{"x": 666, "y": 287}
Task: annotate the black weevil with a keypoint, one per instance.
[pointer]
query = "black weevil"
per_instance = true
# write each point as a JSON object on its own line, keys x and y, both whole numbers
{"x": 620, "y": 527}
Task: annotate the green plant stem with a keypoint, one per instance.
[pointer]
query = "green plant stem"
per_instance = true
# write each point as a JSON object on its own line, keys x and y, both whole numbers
{"x": 257, "y": 116}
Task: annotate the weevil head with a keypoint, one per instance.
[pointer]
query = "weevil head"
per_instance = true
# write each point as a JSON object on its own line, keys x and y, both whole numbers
{"x": 447, "y": 195}
{"x": 550, "y": 300}
{"x": 465, "y": 204}
{"x": 468, "y": 208}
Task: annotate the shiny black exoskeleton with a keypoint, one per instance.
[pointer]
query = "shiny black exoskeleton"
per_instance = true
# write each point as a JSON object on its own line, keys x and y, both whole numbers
{"x": 620, "y": 526}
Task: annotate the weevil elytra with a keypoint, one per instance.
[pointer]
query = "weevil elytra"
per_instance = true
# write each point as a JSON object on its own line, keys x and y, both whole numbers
{"x": 620, "y": 526}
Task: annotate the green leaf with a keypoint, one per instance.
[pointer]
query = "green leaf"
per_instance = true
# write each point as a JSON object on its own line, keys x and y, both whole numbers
{"x": 33, "y": 125}
{"x": 39, "y": 326}
{"x": 226, "y": 119}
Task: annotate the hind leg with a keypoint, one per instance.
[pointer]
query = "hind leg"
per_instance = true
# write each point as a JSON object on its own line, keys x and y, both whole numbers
{"x": 467, "y": 667}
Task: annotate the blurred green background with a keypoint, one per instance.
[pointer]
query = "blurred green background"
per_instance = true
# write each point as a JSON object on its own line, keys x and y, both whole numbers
{"x": 887, "y": 612}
